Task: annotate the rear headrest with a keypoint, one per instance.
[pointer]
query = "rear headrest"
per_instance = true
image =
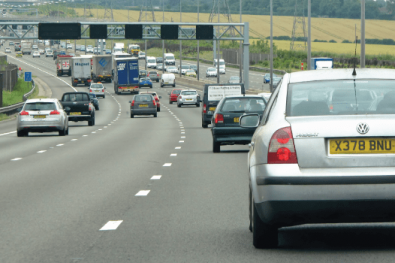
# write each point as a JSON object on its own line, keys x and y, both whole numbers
{"x": 317, "y": 96}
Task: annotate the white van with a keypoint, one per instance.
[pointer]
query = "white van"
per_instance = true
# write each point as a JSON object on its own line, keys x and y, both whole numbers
{"x": 151, "y": 62}
{"x": 168, "y": 79}
{"x": 169, "y": 59}
{"x": 222, "y": 68}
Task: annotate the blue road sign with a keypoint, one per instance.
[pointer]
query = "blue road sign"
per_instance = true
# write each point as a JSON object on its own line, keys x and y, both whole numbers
{"x": 28, "y": 76}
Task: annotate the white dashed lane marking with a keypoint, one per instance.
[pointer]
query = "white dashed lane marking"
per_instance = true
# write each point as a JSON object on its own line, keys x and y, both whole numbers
{"x": 111, "y": 225}
{"x": 167, "y": 164}
{"x": 73, "y": 140}
{"x": 143, "y": 193}
{"x": 16, "y": 159}
{"x": 43, "y": 151}
{"x": 7, "y": 133}
{"x": 178, "y": 147}
{"x": 181, "y": 141}
{"x": 60, "y": 144}
{"x": 156, "y": 177}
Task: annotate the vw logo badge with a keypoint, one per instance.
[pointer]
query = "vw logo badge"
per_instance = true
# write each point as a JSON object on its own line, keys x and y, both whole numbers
{"x": 362, "y": 128}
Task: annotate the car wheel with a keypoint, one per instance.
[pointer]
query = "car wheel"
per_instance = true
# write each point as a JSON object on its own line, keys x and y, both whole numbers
{"x": 159, "y": 109}
{"x": 204, "y": 124}
{"x": 91, "y": 122}
{"x": 170, "y": 102}
{"x": 216, "y": 146}
{"x": 156, "y": 115}
{"x": 178, "y": 105}
{"x": 104, "y": 96}
{"x": 131, "y": 116}
{"x": 157, "y": 80}
{"x": 67, "y": 130}
{"x": 21, "y": 133}
{"x": 198, "y": 104}
{"x": 97, "y": 108}
{"x": 62, "y": 133}
{"x": 174, "y": 84}
{"x": 263, "y": 235}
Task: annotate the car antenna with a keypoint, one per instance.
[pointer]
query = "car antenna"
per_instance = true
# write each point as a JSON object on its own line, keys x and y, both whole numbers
{"x": 354, "y": 72}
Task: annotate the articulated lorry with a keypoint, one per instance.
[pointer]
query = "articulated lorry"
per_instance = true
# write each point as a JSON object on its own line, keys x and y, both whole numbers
{"x": 81, "y": 71}
{"x": 63, "y": 65}
{"x": 126, "y": 75}
{"x": 102, "y": 68}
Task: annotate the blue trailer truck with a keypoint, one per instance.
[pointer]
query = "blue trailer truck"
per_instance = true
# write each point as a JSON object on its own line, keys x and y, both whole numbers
{"x": 126, "y": 75}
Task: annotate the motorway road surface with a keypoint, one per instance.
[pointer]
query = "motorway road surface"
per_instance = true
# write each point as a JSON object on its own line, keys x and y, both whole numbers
{"x": 57, "y": 194}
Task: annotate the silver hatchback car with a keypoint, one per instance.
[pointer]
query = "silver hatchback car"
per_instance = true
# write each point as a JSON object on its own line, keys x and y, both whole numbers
{"x": 324, "y": 152}
{"x": 188, "y": 97}
{"x": 143, "y": 104}
{"x": 42, "y": 115}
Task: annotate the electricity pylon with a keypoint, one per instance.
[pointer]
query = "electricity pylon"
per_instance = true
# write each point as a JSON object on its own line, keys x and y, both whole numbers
{"x": 147, "y": 12}
{"x": 299, "y": 29}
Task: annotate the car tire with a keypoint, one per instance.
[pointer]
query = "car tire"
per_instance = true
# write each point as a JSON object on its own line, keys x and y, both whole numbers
{"x": 157, "y": 80}
{"x": 174, "y": 84}
{"x": 155, "y": 115}
{"x": 204, "y": 124}
{"x": 91, "y": 122}
{"x": 63, "y": 132}
{"x": 97, "y": 108}
{"x": 198, "y": 104}
{"x": 263, "y": 235}
{"x": 216, "y": 146}
{"x": 21, "y": 133}
{"x": 131, "y": 116}
{"x": 67, "y": 130}
{"x": 170, "y": 102}
{"x": 159, "y": 109}
{"x": 104, "y": 96}
{"x": 178, "y": 105}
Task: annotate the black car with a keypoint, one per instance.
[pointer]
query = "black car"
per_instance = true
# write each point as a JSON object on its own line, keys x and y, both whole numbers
{"x": 94, "y": 100}
{"x": 212, "y": 94}
{"x": 142, "y": 73}
{"x": 159, "y": 60}
{"x": 195, "y": 68}
{"x": 226, "y": 129}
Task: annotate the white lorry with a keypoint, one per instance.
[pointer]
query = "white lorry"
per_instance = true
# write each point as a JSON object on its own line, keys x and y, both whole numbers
{"x": 81, "y": 71}
{"x": 26, "y": 47}
{"x": 119, "y": 47}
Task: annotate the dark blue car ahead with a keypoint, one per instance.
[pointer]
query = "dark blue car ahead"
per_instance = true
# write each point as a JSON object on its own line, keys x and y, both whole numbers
{"x": 145, "y": 82}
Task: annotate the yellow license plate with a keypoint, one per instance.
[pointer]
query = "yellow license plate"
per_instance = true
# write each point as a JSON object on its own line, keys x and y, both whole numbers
{"x": 362, "y": 146}
{"x": 39, "y": 116}
{"x": 143, "y": 105}
{"x": 188, "y": 99}
{"x": 211, "y": 109}
{"x": 75, "y": 113}
{"x": 236, "y": 119}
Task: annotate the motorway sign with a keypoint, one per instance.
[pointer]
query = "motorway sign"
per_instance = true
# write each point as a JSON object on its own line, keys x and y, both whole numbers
{"x": 28, "y": 76}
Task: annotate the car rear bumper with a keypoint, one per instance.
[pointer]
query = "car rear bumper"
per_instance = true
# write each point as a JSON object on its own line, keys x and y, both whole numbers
{"x": 80, "y": 118}
{"x": 40, "y": 127}
{"x": 143, "y": 111}
{"x": 192, "y": 102}
{"x": 232, "y": 135}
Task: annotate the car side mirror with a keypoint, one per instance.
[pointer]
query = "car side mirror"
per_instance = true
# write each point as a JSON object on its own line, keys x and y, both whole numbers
{"x": 130, "y": 101}
{"x": 67, "y": 109}
{"x": 249, "y": 120}
{"x": 160, "y": 97}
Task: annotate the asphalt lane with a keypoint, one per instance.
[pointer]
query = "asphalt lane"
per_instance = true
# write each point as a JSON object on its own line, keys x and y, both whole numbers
{"x": 53, "y": 204}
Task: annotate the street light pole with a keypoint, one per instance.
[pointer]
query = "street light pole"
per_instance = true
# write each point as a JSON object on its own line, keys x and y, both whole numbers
{"x": 180, "y": 42}
{"x": 362, "y": 33}
{"x": 240, "y": 49}
{"x": 198, "y": 71}
{"x": 271, "y": 45}
{"x": 218, "y": 56}
{"x": 308, "y": 34}
{"x": 163, "y": 42}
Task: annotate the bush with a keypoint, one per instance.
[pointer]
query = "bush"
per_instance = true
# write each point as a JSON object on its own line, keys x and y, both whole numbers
{"x": 346, "y": 41}
{"x": 319, "y": 40}
{"x": 332, "y": 41}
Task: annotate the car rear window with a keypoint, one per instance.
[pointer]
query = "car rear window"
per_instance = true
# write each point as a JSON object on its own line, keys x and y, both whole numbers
{"x": 188, "y": 93}
{"x": 143, "y": 98}
{"x": 96, "y": 86}
{"x": 153, "y": 72}
{"x": 243, "y": 105}
{"x": 341, "y": 97}
{"x": 76, "y": 97}
{"x": 176, "y": 91}
{"x": 37, "y": 106}
{"x": 151, "y": 61}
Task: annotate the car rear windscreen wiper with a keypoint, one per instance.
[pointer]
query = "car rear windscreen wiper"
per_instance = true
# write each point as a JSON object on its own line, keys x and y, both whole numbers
{"x": 236, "y": 111}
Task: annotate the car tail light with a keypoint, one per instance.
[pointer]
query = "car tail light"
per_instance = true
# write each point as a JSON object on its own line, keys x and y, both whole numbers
{"x": 54, "y": 112}
{"x": 219, "y": 118}
{"x": 89, "y": 80}
{"x": 148, "y": 75}
{"x": 157, "y": 75}
{"x": 282, "y": 147}
{"x": 90, "y": 90}
{"x": 24, "y": 113}
{"x": 132, "y": 103}
{"x": 180, "y": 97}
{"x": 156, "y": 98}
{"x": 90, "y": 107}
{"x": 76, "y": 80}
{"x": 204, "y": 108}
{"x": 102, "y": 90}
{"x": 153, "y": 101}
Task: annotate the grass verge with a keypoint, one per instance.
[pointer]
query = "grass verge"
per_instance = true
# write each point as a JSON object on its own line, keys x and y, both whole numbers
{"x": 16, "y": 96}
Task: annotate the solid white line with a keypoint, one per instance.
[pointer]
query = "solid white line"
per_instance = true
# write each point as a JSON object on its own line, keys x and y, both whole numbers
{"x": 143, "y": 193}
{"x": 16, "y": 159}
{"x": 60, "y": 144}
{"x": 167, "y": 164}
{"x": 7, "y": 133}
{"x": 42, "y": 151}
{"x": 173, "y": 154}
{"x": 111, "y": 225}
{"x": 156, "y": 177}
{"x": 178, "y": 147}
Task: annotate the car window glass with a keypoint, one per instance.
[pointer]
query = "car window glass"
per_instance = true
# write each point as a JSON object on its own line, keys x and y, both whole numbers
{"x": 176, "y": 91}
{"x": 188, "y": 93}
{"x": 96, "y": 86}
{"x": 37, "y": 106}
{"x": 243, "y": 105}
{"x": 341, "y": 97}
{"x": 143, "y": 98}
{"x": 269, "y": 106}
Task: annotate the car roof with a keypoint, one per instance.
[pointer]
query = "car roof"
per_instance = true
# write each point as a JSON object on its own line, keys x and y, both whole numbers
{"x": 41, "y": 100}
{"x": 341, "y": 74}
{"x": 242, "y": 96}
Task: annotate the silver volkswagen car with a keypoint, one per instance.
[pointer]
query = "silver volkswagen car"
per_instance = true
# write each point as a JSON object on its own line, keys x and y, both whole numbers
{"x": 188, "y": 97}
{"x": 324, "y": 152}
{"x": 42, "y": 115}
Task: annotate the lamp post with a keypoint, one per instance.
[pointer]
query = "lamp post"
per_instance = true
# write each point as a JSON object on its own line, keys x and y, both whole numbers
{"x": 362, "y": 33}
{"x": 271, "y": 45}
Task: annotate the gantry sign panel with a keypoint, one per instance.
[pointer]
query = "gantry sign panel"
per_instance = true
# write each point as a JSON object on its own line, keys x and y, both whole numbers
{"x": 116, "y": 30}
